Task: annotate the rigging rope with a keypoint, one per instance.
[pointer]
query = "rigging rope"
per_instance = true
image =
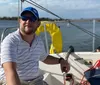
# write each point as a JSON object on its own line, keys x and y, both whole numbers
{"x": 67, "y": 20}
{"x": 42, "y": 8}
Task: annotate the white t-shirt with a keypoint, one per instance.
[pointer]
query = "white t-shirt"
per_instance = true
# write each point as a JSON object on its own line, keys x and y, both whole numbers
{"x": 14, "y": 49}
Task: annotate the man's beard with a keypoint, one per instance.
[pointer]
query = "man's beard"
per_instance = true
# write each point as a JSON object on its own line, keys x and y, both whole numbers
{"x": 29, "y": 31}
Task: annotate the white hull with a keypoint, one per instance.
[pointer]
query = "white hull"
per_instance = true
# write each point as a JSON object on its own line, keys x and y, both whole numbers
{"x": 54, "y": 76}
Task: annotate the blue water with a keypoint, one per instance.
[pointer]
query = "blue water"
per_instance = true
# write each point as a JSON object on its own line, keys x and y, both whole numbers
{"x": 70, "y": 34}
{"x": 8, "y": 23}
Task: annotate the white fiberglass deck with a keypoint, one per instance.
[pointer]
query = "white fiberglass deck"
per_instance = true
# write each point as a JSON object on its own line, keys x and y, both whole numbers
{"x": 77, "y": 60}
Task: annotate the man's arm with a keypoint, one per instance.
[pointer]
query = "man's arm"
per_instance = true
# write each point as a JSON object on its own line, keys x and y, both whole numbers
{"x": 51, "y": 60}
{"x": 11, "y": 73}
{"x": 65, "y": 67}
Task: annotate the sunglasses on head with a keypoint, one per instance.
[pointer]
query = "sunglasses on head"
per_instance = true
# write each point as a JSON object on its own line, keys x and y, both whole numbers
{"x": 32, "y": 18}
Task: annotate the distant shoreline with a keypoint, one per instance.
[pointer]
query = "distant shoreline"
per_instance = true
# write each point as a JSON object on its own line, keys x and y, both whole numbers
{"x": 49, "y": 19}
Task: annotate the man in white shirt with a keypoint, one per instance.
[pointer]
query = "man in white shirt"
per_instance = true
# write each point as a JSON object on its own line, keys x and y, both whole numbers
{"x": 22, "y": 50}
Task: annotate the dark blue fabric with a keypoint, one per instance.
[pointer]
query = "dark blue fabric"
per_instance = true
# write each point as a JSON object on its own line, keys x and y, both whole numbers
{"x": 93, "y": 76}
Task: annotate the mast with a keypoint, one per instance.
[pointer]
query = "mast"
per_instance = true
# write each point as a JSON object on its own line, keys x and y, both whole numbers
{"x": 22, "y": 4}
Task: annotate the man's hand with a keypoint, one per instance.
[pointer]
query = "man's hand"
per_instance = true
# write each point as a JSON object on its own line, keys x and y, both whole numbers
{"x": 65, "y": 67}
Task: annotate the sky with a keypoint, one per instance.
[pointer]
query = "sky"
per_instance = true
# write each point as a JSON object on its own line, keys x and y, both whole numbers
{"x": 67, "y": 9}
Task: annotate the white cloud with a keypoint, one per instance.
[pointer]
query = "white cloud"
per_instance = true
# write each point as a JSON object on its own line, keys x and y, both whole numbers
{"x": 7, "y": 1}
{"x": 72, "y": 4}
{"x": 8, "y": 9}
{"x": 65, "y": 8}
{"x": 3, "y": 1}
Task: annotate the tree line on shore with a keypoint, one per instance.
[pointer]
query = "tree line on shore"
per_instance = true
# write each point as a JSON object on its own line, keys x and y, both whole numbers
{"x": 16, "y": 18}
{"x": 49, "y": 19}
